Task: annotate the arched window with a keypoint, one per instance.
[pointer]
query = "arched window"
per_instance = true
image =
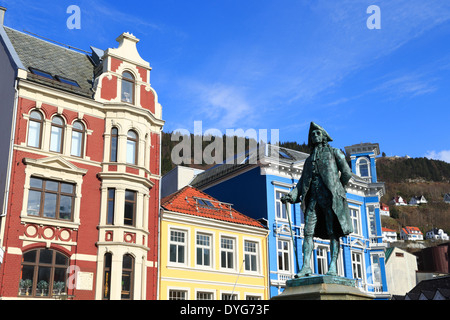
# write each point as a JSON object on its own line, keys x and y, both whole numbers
{"x": 127, "y": 277}
{"x": 107, "y": 277}
{"x": 363, "y": 167}
{"x": 127, "y": 87}
{"x": 78, "y": 133}
{"x": 132, "y": 149}
{"x": 43, "y": 273}
{"x": 57, "y": 134}
{"x": 114, "y": 143}
{"x": 35, "y": 129}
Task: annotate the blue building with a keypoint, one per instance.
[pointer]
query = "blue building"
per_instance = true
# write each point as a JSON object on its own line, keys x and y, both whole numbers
{"x": 255, "y": 188}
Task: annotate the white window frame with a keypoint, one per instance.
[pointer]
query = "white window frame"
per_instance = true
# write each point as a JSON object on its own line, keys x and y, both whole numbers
{"x": 178, "y": 289}
{"x": 357, "y": 209}
{"x": 233, "y": 251}
{"x": 322, "y": 259}
{"x": 372, "y": 264}
{"x": 208, "y": 291}
{"x": 186, "y": 247}
{"x": 279, "y": 204}
{"x": 256, "y": 254}
{"x": 369, "y": 220}
{"x": 231, "y": 293}
{"x": 210, "y": 247}
{"x": 358, "y": 164}
{"x": 289, "y": 256}
{"x": 356, "y": 263}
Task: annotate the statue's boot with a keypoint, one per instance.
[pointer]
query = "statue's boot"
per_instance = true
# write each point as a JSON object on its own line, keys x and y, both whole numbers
{"x": 306, "y": 271}
{"x": 334, "y": 246}
{"x": 332, "y": 270}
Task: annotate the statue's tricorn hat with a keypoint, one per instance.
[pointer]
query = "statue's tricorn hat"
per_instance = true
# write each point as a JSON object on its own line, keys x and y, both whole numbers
{"x": 315, "y": 126}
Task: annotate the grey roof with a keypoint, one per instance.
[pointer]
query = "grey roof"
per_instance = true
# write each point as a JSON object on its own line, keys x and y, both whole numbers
{"x": 54, "y": 59}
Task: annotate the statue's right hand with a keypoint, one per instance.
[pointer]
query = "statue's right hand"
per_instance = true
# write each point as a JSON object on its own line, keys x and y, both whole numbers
{"x": 286, "y": 198}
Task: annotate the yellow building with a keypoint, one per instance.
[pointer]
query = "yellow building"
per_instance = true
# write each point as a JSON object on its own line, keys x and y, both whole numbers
{"x": 209, "y": 251}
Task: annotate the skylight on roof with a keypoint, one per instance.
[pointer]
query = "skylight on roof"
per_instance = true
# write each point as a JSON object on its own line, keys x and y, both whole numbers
{"x": 284, "y": 155}
{"x": 42, "y": 73}
{"x": 51, "y": 77}
{"x": 205, "y": 202}
{"x": 68, "y": 81}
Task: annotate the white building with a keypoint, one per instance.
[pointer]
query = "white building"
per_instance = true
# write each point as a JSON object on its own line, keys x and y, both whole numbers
{"x": 436, "y": 234}
{"x": 411, "y": 233}
{"x": 398, "y": 201}
{"x": 417, "y": 200}
{"x": 401, "y": 268}
{"x": 389, "y": 235}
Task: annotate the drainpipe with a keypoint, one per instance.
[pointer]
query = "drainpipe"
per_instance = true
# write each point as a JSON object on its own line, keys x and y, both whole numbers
{"x": 11, "y": 147}
{"x": 158, "y": 266}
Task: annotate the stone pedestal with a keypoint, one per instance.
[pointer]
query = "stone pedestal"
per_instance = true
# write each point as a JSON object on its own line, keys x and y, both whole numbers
{"x": 322, "y": 288}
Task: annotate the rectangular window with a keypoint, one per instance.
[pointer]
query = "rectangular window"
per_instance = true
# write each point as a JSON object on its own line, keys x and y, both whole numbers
{"x": 203, "y": 244}
{"x": 111, "y": 203}
{"x": 77, "y": 143}
{"x": 177, "y": 246}
{"x": 177, "y": 295}
{"x": 56, "y": 139}
{"x": 34, "y": 134}
{"x": 251, "y": 256}
{"x": 376, "y": 268}
{"x": 322, "y": 260}
{"x": 357, "y": 265}
{"x": 280, "y": 207}
{"x": 130, "y": 208}
{"x": 227, "y": 253}
{"x": 372, "y": 221}
{"x": 354, "y": 214}
{"x": 204, "y": 295}
{"x": 283, "y": 255}
{"x": 50, "y": 199}
{"x": 229, "y": 296}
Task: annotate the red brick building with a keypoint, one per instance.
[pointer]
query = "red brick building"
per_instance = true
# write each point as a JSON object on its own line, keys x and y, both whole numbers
{"x": 79, "y": 170}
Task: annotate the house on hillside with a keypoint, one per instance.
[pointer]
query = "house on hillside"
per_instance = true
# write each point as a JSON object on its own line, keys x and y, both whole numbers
{"x": 389, "y": 235}
{"x": 436, "y": 234}
{"x": 411, "y": 233}
{"x": 210, "y": 251}
{"x": 80, "y": 170}
{"x": 384, "y": 210}
{"x": 417, "y": 200}
{"x": 398, "y": 201}
{"x": 447, "y": 198}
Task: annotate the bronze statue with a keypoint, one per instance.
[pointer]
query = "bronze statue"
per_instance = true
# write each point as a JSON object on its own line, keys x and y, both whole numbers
{"x": 321, "y": 191}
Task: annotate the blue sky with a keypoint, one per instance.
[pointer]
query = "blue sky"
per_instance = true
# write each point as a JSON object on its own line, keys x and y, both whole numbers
{"x": 281, "y": 64}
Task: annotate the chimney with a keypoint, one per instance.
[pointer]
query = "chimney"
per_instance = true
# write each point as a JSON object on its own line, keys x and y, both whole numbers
{"x": 2, "y": 15}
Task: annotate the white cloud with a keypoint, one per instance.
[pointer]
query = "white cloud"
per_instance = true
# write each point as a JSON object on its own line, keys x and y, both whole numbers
{"x": 443, "y": 155}
{"x": 225, "y": 105}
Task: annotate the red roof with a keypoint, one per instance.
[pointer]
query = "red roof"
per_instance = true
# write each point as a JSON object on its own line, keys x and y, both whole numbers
{"x": 387, "y": 229}
{"x": 409, "y": 230}
{"x": 192, "y": 201}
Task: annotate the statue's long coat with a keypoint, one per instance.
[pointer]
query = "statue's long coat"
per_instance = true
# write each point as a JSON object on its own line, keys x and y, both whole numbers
{"x": 329, "y": 164}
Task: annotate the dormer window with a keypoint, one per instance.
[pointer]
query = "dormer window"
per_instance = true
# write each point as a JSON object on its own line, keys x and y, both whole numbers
{"x": 127, "y": 87}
